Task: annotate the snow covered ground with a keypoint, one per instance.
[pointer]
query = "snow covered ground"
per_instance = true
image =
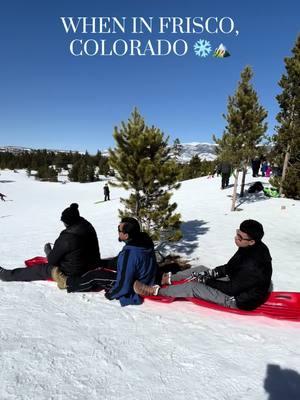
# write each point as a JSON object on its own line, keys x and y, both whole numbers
{"x": 55, "y": 345}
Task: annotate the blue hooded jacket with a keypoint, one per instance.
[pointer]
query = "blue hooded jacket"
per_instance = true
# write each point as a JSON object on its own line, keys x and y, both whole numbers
{"x": 136, "y": 261}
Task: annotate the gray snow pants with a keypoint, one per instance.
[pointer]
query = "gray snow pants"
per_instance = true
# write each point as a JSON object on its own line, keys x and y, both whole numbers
{"x": 196, "y": 289}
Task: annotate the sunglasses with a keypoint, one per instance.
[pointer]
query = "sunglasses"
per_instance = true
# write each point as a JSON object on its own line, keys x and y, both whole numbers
{"x": 240, "y": 237}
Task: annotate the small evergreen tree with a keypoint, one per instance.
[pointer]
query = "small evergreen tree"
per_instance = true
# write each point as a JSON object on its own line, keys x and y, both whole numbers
{"x": 245, "y": 129}
{"x": 177, "y": 148}
{"x": 287, "y": 140}
{"x": 143, "y": 165}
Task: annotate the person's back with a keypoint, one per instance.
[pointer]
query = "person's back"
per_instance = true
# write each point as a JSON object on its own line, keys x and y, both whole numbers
{"x": 76, "y": 250}
{"x": 225, "y": 167}
{"x": 135, "y": 261}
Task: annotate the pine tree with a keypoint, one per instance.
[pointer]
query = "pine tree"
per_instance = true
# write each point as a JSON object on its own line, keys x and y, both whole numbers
{"x": 177, "y": 148}
{"x": 144, "y": 166}
{"x": 287, "y": 139}
{"x": 245, "y": 129}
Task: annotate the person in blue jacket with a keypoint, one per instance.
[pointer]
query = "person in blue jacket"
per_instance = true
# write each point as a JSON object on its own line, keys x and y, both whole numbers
{"x": 136, "y": 261}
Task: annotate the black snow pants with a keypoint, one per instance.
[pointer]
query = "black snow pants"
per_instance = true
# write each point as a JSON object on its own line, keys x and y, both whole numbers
{"x": 38, "y": 272}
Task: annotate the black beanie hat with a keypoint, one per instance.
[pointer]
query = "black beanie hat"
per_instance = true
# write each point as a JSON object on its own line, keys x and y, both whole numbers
{"x": 70, "y": 215}
{"x": 253, "y": 229}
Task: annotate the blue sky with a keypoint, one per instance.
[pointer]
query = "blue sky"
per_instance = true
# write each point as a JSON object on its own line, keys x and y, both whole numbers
{"x": 49, "y": 98}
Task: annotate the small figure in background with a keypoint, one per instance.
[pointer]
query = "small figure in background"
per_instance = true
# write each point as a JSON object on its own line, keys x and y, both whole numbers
{"x": 106, "y": 192}
{"x": 268, "y": 171}
{"x": 255, "y": 163}
{"x": 225, "y": 170}
{"x": 264, "y": 167}
{"x": 2, "y": 196}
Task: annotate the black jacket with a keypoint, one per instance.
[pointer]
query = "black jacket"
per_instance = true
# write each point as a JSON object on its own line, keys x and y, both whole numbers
{"x": 224, "y": 168}
{"x": 76, "y": 250}
{"x": 250, "y": 272}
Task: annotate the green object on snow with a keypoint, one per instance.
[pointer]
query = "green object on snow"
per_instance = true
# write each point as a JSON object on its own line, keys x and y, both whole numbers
{"x": 271, "y": 192}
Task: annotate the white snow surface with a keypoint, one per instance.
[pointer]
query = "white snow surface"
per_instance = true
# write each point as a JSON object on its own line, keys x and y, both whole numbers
{"x": 55, "y": 345}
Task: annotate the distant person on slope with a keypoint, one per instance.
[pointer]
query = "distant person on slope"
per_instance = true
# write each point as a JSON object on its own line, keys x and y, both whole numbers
{"x": 255, "y": 164}
{"x": 74, "y": 252}
{"x": 244, "y": 282}
{"x": 135, "y": 261}
{"x": 106, "y": 192}
{"x": 225, "y": 170}
{"x": 2, "y": 196}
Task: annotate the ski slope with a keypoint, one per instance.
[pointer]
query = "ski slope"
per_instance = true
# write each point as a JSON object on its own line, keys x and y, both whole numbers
{"x": 60, "y": 346}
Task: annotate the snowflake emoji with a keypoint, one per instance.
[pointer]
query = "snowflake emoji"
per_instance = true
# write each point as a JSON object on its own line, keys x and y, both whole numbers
{"x": 202, "y": 48}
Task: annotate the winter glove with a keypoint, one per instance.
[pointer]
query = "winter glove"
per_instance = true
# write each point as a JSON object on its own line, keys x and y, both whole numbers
{"x": 204, "y": 276}
{"x": 47, "y": 248}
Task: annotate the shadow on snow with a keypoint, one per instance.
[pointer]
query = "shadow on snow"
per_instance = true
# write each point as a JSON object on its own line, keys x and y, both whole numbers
{"x": 282, "y": 383}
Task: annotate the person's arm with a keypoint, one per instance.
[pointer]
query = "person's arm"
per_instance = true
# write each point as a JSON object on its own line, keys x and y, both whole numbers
{"x": 220, "y": 272}
{"x": 246, "y": 279}
{"x": 60, "y": 248}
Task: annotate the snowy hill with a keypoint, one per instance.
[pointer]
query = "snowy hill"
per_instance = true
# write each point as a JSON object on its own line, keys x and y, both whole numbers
{"x": 78, "y": 346}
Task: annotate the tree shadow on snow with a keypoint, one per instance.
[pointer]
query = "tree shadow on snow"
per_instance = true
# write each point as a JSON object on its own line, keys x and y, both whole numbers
{"x": 282, "y": 383}
{"x": 191, "y": 230}
{"x": 249, "y": 198}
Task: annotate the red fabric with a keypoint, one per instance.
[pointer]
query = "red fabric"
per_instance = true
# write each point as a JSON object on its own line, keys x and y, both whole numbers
{"x": 280, "y": 305}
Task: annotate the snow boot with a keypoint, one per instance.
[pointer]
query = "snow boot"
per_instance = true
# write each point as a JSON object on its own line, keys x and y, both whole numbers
{"x": 59, "y": 278}
{"x": 2, "y": 274}
{"x": 145, "y": 290}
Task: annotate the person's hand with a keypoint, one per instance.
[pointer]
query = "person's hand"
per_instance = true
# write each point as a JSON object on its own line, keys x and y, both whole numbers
{"x": 204, "y": 276}
{"x": 47, "y": 248}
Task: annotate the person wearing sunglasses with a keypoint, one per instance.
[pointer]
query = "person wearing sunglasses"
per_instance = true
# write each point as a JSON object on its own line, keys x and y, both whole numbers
{"x": 135, "y": 261}
{"x": 244, "y": 282}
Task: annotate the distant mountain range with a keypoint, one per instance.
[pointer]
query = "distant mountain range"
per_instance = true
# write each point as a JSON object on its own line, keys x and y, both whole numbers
{"x": 205, "y": 151}
{"x": 20, "y": 149}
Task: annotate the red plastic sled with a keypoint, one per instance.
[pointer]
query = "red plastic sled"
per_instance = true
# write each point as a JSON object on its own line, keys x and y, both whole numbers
{"x": 35, "y": 260}
{"x": 280, "y": 305}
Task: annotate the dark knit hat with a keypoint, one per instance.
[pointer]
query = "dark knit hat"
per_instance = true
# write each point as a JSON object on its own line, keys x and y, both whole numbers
{"x": 70, "y": 215}
{"x": 253, "y": 229}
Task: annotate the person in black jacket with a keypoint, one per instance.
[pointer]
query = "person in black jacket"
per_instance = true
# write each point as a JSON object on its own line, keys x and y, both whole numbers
{"x": 74, "y": 252}
{"x": 106, "y": 192}
{"x": 2, "y": 196}
{"x": 244, "y": 282}
{"x": 225, "y": 170}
